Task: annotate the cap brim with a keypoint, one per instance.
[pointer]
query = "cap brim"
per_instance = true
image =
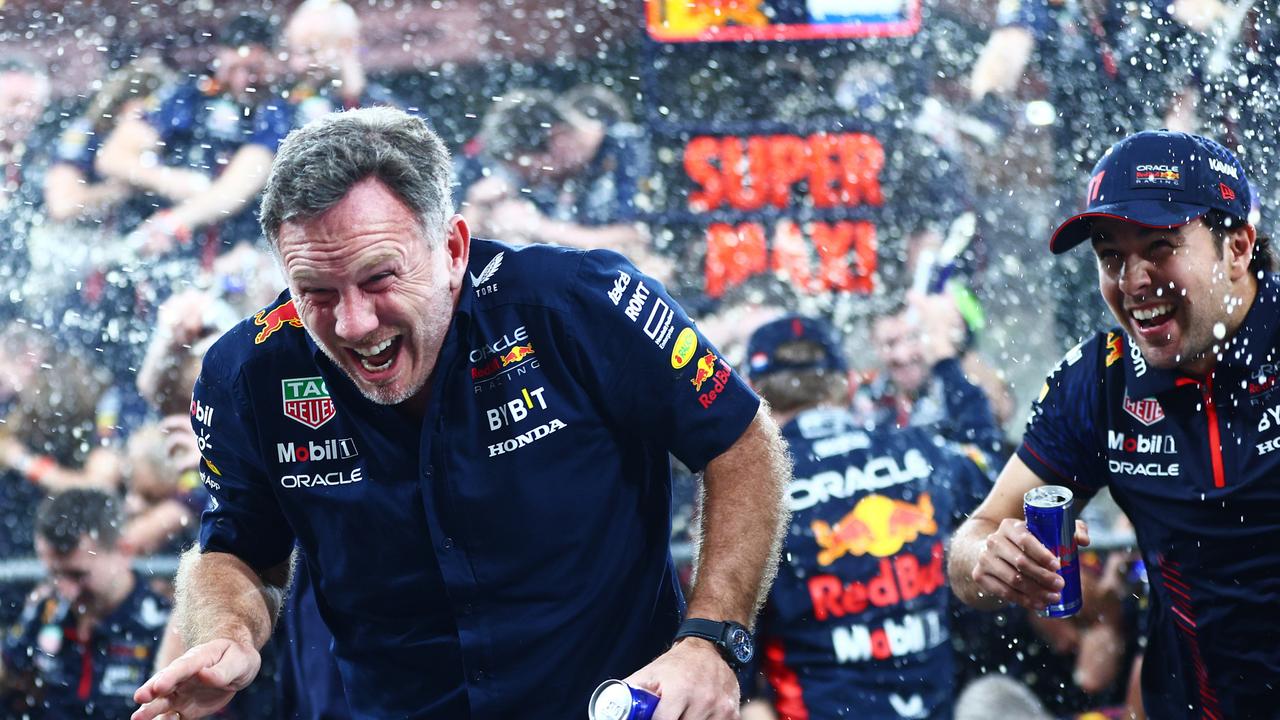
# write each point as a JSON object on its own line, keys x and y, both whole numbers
{"x": 1147, "y": 213}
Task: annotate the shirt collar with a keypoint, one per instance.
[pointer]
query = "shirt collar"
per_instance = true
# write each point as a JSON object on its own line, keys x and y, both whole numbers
{"x": 1246, "y": 350}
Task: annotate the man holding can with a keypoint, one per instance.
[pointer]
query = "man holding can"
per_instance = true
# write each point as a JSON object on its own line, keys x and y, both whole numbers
{"x": 469, "y": 443}
{"x": 1176, "y": 411}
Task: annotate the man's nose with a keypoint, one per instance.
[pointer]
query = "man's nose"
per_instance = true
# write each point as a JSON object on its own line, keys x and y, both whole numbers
{"x": 1135, "y": 276}
{"x": 356, "y": 317}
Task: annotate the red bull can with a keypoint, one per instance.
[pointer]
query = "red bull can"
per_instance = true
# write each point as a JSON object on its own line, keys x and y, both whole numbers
{"x": 616, "y": 700}
{"x": 1051, "y": 519}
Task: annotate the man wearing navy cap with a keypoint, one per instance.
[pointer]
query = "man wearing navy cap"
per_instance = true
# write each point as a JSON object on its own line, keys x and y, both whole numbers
{"x": 1176, "y": 411}
{"x": 857, "y": 617}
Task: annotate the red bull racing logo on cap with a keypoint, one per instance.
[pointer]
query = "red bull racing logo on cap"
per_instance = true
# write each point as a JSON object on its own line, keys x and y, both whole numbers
{"x": 877, "y": 526}
{"x": 277, "y": 317}
{"x": 1148, "y": 174}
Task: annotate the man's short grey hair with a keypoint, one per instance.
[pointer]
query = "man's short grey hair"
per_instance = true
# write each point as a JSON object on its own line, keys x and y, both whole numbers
{"x": 318, "y": 164}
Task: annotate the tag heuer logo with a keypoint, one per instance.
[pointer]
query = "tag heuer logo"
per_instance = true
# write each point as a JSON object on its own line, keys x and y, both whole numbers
{"x": 1146, "y": 411}
{"x": 307, "y": 401}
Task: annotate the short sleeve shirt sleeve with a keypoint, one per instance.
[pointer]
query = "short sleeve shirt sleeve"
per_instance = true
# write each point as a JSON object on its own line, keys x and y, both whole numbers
{"x": 243, "y": 516}
{"x": 650, "y": 367}
{"x": 77, "y": 146}
{"x": 1030, "y": 14}
{"x": 1059, "y": 444}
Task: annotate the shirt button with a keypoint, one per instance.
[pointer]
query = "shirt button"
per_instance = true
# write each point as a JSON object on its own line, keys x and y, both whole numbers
{"x": 426, "y": 473}
{"x": 477, "y": 676}
{"x": 467, "y": 609}
{"x": 448, "y": 543}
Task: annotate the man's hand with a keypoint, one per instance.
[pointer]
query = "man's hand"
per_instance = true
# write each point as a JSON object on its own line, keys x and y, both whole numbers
{"x": 693, "y": 681}
{"x": 200, "y": 682}
{"x": 942, "y": 327}
{"x": 1016, "y": 568}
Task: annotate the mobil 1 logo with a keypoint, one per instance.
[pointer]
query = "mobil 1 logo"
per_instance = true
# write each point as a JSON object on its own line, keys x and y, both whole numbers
{"x": 312, "y": 451}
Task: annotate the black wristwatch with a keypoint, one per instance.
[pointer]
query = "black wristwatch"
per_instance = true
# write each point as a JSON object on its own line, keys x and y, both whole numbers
{"x": 732, "y": 639}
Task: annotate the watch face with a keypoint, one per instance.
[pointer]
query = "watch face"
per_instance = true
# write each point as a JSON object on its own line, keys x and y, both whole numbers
{"x": 740, "y": 644}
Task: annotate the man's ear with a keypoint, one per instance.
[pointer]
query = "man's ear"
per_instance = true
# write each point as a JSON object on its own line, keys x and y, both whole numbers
{"x": 457, "y": 242}
{"x": 1240, "y": 243}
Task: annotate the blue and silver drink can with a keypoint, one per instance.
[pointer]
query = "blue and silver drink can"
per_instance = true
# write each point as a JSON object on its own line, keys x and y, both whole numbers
{"x": 616, "y": 700}
{"x": 1051, "y": 519}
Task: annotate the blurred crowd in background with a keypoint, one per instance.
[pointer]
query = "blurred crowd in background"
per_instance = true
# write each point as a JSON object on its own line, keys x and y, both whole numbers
{"x": 135, "y": 139}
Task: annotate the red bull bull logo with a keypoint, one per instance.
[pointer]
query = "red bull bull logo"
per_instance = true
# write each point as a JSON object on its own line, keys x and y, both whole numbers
{"x": 703, "y": 370}
{"x": 877, "y": 526}
{"x": 516, "y": 354}
{"x": 1115, "y": 348}
{"x": 277, "y": 317}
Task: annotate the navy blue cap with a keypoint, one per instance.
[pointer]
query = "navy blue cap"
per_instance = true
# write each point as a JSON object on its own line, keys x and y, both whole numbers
{"x": 766, "y": 340}
{"x": 1159, "y": 179}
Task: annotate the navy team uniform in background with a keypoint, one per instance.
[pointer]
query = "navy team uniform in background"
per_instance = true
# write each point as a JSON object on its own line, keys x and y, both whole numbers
{"x": 505, "y": 555}
{"x": 1193, "y": 463}
{"x": 857, "y": 620}
{"x": 91, "y": 677}
{"x": 202, "y": 129}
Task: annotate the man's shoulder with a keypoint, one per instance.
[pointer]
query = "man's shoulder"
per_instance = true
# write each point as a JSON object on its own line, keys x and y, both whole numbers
{"x": 274, "y": 332}
{"x": 536, "y": 274}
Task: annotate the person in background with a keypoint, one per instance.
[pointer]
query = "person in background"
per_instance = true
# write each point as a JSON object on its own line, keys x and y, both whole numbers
{"x": 858, "y": 616}
{"x": 86, "y": 638}
{"x": 324, "y": 72}
{"x": 207, "y": 149}
{"x": 922, "y": 383}
{"x": 540, "y": 171}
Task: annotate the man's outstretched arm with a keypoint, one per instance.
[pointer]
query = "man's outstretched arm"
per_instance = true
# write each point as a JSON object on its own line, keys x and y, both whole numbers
{"x": 743, "y": 521}
{"x": 226, "y": 612}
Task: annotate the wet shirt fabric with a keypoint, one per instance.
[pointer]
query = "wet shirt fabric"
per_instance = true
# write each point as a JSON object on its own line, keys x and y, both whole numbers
{"x": 202, "y": 129}
{"x": 857, "y": 620}
{"x": 1193, "y": 463}
{"x": 507, "y": 553}
{"x": 87, "y": 677}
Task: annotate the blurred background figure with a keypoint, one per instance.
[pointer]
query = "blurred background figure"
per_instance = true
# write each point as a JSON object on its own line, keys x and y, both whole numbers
{"x": 206, "y": 150}
{"x": 324, "y": 73}
{"x": 87, "y": 637}
{"x": 858, "y": 616}
{"x": 540, "y": 170}
{"x": 922, "y": 379}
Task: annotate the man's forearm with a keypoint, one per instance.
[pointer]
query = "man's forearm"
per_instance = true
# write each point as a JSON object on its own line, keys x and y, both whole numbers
{"x": 243, "y": 177}
{"x": 220, "y": 596}
{"x": 962, "y": 558}
{"x": 743, "y": 521}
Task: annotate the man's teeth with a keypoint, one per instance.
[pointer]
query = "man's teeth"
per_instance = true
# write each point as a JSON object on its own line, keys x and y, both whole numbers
{"x": 371, "y": 351}
{"x": 1152, "y": 312}
{"x": 376, "y": 368}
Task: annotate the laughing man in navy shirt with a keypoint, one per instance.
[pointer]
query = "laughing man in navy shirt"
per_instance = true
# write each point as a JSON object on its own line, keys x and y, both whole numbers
{"x": 470, "y": 443}
{"x": 1176, "y": 411}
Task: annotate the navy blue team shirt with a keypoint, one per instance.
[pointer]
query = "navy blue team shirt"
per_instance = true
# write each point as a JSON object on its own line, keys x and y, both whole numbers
{"x": 857, "y": 620}
{"x": 505, "y": 554}
{"x": 93, "y": 676}
{"x": 1192, "y": 462}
